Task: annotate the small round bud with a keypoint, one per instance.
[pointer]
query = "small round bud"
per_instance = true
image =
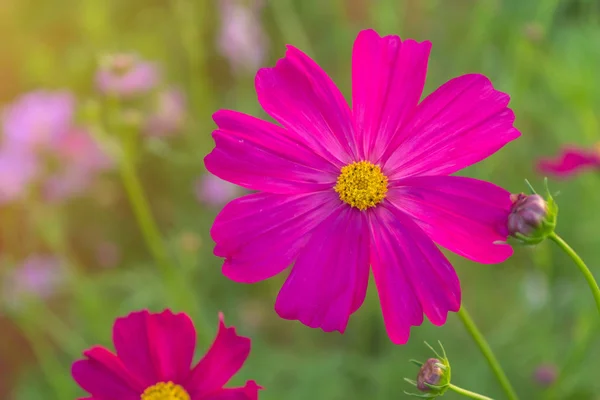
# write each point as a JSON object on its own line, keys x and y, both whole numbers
{"x": 430, "y": 374}
{"x": 527, "y": 213}
{"x": 531, "y": 217}
{"x": 545, "y": 374}
{"x": 433, "y": 377}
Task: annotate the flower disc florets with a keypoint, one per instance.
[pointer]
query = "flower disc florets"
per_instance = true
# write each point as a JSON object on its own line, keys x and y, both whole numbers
{"x": 361, "y": 185}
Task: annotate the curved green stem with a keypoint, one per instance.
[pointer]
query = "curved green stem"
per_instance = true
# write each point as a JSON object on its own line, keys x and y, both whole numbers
{"x": 580, "y": 264}
{"x": 468, "y": 393}
{"x": 487, "y": 352}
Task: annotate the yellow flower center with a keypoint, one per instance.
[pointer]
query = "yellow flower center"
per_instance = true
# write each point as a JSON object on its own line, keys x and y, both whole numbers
{"x": 361, "y": 185}
{"x": 165, "y": 391}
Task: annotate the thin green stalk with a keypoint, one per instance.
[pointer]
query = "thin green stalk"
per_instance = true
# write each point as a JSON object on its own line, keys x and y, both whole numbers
{"x": 176, "y": 283}
{"x": 468, "y": 393}
{"x": 48, "y": 363}
{"x": 487, "y": 353}
{"x": 146, "y": 222}
{"x": 580, "y": 264}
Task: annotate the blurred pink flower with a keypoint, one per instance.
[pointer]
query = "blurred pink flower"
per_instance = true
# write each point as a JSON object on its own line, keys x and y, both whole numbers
{"x": 126, "y": 75}
{"x": 38, "y": 130}
{"x": 570, "y": 161}
{"x": 17, "y": 171}
{"x": 108, "y": 254}
{"x": 38, "y": 276}
{"x": 344, "y": 190}
{"x": 168, "y": 115}
{"x": 214, "y": 191}
{"x": 241, "y": 37}
{"x": 545, "y": 374}
{"x": 80, "y": 159}
{"x": 37, "y": 119}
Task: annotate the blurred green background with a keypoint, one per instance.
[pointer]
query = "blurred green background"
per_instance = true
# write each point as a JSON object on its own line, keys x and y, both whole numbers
{"x": 534, "y": 309}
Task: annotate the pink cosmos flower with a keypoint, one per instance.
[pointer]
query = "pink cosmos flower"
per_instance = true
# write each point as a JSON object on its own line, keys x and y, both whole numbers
{"x": 571, "y": 161}
{"x": 214, "y": 191}
{"x": 126, "y": 75}
{"x": 168, "y": 115}
{"x": 39, "y": 129}
{"x": 153, "y": 360}
{"x": 17, "y": 171}
{"x": 38, "y": 275}
{"x": 36, "y": 119}
{"x": 242, "y": 39}
{"x": 341, "y": 189}
{"x": 80, "y": 159}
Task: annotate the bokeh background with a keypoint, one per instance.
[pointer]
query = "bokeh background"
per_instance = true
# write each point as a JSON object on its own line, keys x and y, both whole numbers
{"x": 73, "y": 261}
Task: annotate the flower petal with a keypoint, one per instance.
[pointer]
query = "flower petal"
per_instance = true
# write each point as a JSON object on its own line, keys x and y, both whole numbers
{"x": 262, "y": 156}
{"x": 467, "y": 216}
{"x": 329, "y": 280}
{"x": 461, "y": 123}
{"x": 412, "y": 275}
{"x": 388, "y": 76}
{"x": 105, "y": 377}
{"x": 248, "y": 392}
{"x": 261, "y": 234}
{"x": 570, "y": 161}
{"x": 300, "y": 95}
{"x": 156, "y": 347}
{"x": 222, "y": 361}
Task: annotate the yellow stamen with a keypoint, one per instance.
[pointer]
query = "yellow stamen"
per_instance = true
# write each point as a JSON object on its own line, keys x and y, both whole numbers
{"x": 165, "y": 391}
{"x": 361, "y": 185}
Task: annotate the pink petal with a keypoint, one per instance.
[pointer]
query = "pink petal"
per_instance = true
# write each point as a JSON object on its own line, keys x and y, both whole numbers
{"x": 467, "y": 216}
{"x": 300, "y": 95}
{"x": 388, "y": 76}
{"x": 105, "y": 377}
{"x": 248, "y": 392}
{"x": 261, "y": 234}
{"x": 156, "y": 347}
{"x": 329, "y": 280}
{"x": 412, "y": 275}
{"x": 570, "y": 161}
{"x": 461, "y": 123}
{"x": 222, "y": 361}
{"x": 262, "y": 156}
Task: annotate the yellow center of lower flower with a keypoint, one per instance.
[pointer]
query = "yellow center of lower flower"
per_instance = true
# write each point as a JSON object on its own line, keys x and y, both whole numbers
{"x": 361, "y": 185}
{"x": 165, "y": 391}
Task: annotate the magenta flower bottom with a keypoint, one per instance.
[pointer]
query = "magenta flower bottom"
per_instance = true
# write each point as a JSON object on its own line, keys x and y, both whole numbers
{"x": 153, "y": 362}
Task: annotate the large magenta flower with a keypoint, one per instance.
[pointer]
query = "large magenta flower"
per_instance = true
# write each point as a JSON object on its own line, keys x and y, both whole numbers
{"x": 153, "y": 362}
{"x": 341, "y": 189}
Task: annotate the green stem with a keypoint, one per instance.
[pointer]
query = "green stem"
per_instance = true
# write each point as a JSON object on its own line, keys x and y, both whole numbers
{"x": 580, "y": 264}
{"x": 468, "y": 393}
{"x": 487, "y": 352}
{"x": 142, "y": 212}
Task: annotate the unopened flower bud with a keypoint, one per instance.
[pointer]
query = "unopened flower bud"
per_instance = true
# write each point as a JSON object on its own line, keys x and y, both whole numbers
{"x": 545, "y": 374}
{"x": 430, "y": 374}
{"x": 527, "y": 213}
{"x": 532, "y": 218}
{"x": 433, "y": 377}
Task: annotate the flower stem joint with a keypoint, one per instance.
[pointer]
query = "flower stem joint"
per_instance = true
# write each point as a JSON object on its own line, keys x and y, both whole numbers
{"x": 532, "y": 218}
{"x": 433, "y": 378}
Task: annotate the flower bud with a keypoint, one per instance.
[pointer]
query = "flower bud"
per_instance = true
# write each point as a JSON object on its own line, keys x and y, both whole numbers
{"x": 545, "y": 374}
{"x": 430, "y": 374}
{"x": 532, "y": 218}
{"x": 433, "y": 377}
